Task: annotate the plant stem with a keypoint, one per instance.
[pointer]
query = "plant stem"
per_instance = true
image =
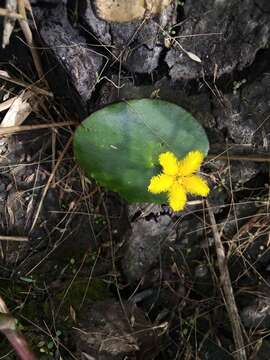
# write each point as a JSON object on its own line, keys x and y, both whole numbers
{"x": 20, "y": 345}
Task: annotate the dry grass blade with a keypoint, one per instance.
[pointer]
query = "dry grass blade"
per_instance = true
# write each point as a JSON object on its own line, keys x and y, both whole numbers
{"x": 18, "y": 111}
{"x": 3, "y": 306}
{"x": 246, "y": 228}
{"x": 49, "y": 182}
{"x": 13, "y": 238}
{"x": 226, "y": 286}
{"x": 34, "y": 88}
{"x": 7, "y": 13}
{"x": 248, "y": 157}
{"x": 29, "y": 39}
{"x": 192, "y": 56}
{"x": 22, "y": 128}
{"x": 9, "y": 22}
{"x": 5, "y": 105}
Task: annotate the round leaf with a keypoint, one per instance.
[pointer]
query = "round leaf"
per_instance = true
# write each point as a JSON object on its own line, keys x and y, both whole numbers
{"x": 119, "y": 145}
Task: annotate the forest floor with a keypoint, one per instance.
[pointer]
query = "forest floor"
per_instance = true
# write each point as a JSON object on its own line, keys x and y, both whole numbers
{"x": 88, "y": 276}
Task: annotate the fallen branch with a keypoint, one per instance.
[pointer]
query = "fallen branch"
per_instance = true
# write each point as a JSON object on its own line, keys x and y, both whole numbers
{"x": 226, "y": 286}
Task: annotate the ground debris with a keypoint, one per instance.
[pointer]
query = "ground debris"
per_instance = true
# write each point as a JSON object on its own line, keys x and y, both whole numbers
{"x": 226, "y": 36}
{"x": 98, "y": 278}
{"x": 108, "y": 330}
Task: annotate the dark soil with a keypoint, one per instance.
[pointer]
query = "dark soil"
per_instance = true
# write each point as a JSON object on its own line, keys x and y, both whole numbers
{"x": 97, "y": 278}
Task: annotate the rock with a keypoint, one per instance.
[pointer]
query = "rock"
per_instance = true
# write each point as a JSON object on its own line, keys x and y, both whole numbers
{"x": 137, "y": 45}
{"x": 254, "y": 109}
{"x": 143, "y": 210}
{"x": 257, "y": 314}
{"x": 232, "y": 33}
{"x": 128, "y": 10}
{"x": 234, "y": 172}
{"x": 246, "y": 230}
{"x": 240, "y": 215}
{"x": 243, "y": 117}
{"x": 244, "y": 114}
{"x": 204, "y": 283}
{"x": 12, "y": 152}
{"x": 143, "y": 55}
{"x": 213, "y": 351}
{"x": 189, "y": 231}
{"x": 100, "y": 27}
{"x": 72, "y": 54}
{"x": 144, "y": 245}
{"x": 217, "y": 198}
{"x": 109, "y": 330}
{"x": 201, "y": 271}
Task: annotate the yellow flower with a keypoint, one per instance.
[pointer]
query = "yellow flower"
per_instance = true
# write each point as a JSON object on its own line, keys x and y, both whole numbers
{"x": 178, "y": 178}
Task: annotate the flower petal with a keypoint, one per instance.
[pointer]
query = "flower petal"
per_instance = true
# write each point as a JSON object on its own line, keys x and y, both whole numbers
{"x": 195, "y": 185}
{"x": 169, "y": 163}
{"x": 160, "y": 183}
{"x": 190, "y": 163}
{"x": 177, "y": 197}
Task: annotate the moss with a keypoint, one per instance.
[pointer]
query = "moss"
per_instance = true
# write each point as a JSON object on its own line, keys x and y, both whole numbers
{"x": 96, "y": 290}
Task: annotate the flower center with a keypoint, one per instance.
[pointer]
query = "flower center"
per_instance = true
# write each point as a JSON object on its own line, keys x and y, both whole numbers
{"x": 179, "y": 179}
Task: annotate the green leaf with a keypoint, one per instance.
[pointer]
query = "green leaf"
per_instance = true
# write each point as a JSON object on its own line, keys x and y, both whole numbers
{"x": 119, "y": 145}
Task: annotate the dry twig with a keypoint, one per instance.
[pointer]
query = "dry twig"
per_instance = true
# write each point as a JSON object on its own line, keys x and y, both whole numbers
{"x": 9, "y": 21}
{"x": 18, "y": 111}
{"x": 227, "y": 289}
{"x": 29, "y": 39}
